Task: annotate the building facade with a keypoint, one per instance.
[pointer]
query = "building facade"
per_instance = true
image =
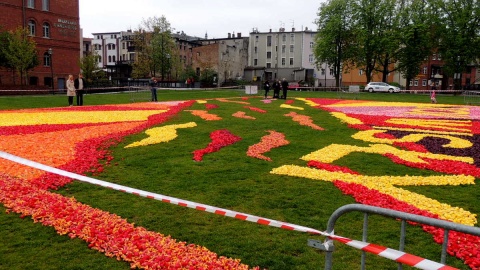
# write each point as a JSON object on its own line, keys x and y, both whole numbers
{"x": 227, "y": 56}
{"x": 285, "y": 54}
{"x": 55, "y": 27}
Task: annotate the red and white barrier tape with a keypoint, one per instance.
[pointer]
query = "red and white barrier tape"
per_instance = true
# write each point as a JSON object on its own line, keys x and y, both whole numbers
{"x": 395, "y": 255}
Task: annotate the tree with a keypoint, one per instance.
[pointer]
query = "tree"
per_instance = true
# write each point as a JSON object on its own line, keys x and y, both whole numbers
{"x": 89, "y": 67}
{"x": 334, "y": 40}
{"x": 416, "y": 35}
{"x": 372, "y": 24}
{"x": 154, "y": 46}
{"x": 20, "y": 53}
{"x": 459, "y": 41}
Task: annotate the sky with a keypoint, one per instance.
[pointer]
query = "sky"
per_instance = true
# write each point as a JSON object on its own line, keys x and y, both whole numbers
{"x": 216, "y": 18}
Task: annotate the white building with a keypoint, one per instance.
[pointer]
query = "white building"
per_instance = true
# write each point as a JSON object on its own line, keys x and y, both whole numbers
{"x": 289, "y": 55}
{"x": 113, "y": 47}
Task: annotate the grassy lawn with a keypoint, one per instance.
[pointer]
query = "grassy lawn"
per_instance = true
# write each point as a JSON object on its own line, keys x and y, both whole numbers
{"x": 232, "y": 180}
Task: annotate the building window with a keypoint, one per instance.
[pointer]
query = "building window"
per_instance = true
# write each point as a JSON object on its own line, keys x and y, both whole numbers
{"x": 46, "y": 60}
{"x": 269, "y": 65}
{"x": 424, "y": 82}
{"x": 410, "y": 83}
{"x": 434, "y": 57}
{"x": 99, "y": 59}
{"x": 292, "y": 37}
{"x": 269, "y": 55}
{"x": 291, "y": 48}
{"x": 425, "y": 70}
{"x": 114, "y": 59}
{"x": 46, "y": 30}
{"x": 46, "y": 5}
{"x": 310, "y": 58}
{"x": 284, "y": 61}
{"x": 31, "y": 3}
{"x": 256, "y": 38}
{"x": 331, "y": 72}
{"x": 284, "y": 37}
{"x": 323, "y": 71}
{"x": 269, "y": 41}
{"x": 31, "y": 27}
{"x": 415, "y": 83}
{"x": 255, "y": 49}
{"x": 439, "y": 57}
{"x": 311, "y": 44}
{"x": 109, "y": 58}
{"x": 255, "y": 62}
{"x": 291, "y": 61}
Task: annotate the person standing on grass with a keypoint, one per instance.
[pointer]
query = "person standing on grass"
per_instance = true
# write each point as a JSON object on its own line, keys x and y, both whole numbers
{"x": 276, "y": 89}
{"x": 153, "y": 89}
{"x": 266, "y": 86}
{"x": 284, "y": 88}
{"x": 432, "y": 96}
{"x": 79, "y": 86}
{"x": 70, "y": 89}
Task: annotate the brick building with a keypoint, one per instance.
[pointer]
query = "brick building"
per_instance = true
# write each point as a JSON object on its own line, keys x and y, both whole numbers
{"x": 53, "y": 24}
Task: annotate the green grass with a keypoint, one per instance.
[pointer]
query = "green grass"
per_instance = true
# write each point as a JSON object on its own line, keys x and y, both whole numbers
{"x": 229, "y": 179}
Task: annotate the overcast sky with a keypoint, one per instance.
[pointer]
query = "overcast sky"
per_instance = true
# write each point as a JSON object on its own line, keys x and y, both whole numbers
{"x": 197, "y": 17}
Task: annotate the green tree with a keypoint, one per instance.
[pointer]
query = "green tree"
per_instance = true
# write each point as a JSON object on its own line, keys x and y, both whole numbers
{"x": 20, "y": 53}
{"x": 89, "y": 67}
{"x": 155, "y": 48}
{"x": 416, "y": 38}
{"x": 372, "y": 22}
{"x": 334, "y": 40}
{"x": 459, "y": 38}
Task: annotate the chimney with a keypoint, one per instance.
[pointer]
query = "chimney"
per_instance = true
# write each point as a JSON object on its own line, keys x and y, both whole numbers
{"x": 229, "y": 35}
{"x": 293, "y": 29}
{"x": 239, "y": 35}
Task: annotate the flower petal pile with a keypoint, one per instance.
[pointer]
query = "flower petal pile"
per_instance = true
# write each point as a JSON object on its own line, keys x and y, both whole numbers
{"x": 220, "y": 138}
{"x": 303, "y": 120}
{"x": 243, "y": 115}
{"x": 267, "y": 143}
{"x": 205, "y": 115}
{"x": 161, "y": 134}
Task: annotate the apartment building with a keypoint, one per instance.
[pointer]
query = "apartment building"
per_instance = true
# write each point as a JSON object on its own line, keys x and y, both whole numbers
{"x": 285, "y": 54}
{"x": 55, "y": 28}
{"x": 227, "y": 56}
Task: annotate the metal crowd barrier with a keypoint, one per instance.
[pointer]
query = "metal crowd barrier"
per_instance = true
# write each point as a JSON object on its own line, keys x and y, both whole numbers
{"x": 404, "y": 217}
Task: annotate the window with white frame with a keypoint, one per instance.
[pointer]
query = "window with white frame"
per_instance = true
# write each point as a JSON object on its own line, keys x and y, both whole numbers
{"x": 434, "y": 57}
{"x": 46, "y": 30}
{"x": 284, "y": 61}
{"x": 291, "y": 61}
{"x": 310, "y": 58}
{"x": 269, "y": 65}
{"x": 31, "y": 27}
{"x": 415, "y": 83}
{"x": 284, "y": 48}
{"x": 360, "y": 72}
{"x": 291, "y": 48}
{"x": 424, "y": 82}
{"x": 331, "y": 72}
{"x": 46, "y": 59}
{"x": 311, "y": 44}
{"x": 425, "y": 70}
{"x": 284, "y": 37}
{"x": 269, "y": 55}
{"x": 31, "y": 3}
{"x": 323, "y": 71}
{"x": 292, "y": 37}
{"x": 45, "y": 5}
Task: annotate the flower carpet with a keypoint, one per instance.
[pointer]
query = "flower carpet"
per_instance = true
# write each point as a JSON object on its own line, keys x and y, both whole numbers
{"x": 439, "y": 138}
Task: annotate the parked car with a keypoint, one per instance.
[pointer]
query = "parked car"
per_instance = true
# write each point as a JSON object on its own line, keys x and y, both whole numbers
{"x": 381, "y": 87}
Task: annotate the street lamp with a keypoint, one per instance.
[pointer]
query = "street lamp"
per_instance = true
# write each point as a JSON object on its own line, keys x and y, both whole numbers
{"x": 50, "y": 54}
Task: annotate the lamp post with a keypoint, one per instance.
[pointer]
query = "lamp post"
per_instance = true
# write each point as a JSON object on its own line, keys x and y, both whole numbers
{"x": 50, "y": 54}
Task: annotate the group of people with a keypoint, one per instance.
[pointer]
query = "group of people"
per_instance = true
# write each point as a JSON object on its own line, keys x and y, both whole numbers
{"x": 276, "y": 86}
{"x": 76, "y": 88}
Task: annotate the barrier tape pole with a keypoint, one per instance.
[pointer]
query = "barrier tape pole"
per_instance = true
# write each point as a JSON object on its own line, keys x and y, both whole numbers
{"x": 392, "y": 254}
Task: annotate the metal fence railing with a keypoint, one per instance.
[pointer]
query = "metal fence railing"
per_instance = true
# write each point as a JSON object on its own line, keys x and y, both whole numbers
{"x": 447, "y": 226}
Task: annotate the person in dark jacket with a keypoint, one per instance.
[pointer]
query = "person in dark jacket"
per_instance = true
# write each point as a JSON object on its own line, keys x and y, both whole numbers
{"x": 284, "y": 88}
{"x": 276, "y": 89}
{"x": 80, "y": 85}
{"x": 266, "y": 86}
{"x": 153, "y": 88}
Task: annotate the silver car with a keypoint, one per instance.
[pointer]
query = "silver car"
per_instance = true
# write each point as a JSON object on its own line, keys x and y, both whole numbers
{"x": 381, "y": 87}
